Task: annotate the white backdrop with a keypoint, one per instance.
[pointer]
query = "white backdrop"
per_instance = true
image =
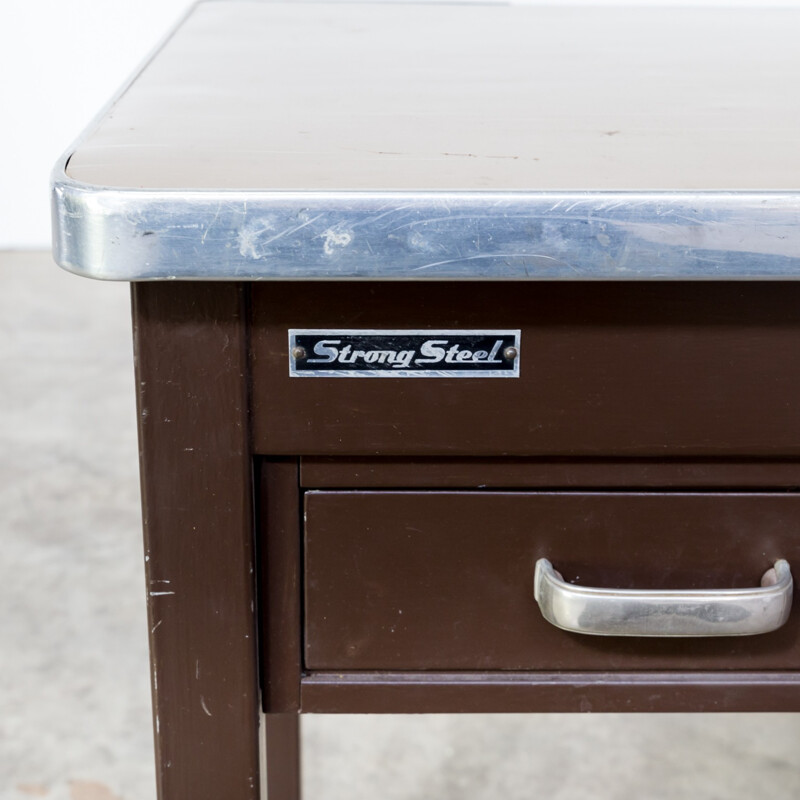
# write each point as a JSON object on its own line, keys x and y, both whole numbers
{"x": 60, "y": 62}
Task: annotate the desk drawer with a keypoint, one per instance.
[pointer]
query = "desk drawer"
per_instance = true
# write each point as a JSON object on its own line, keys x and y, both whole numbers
{"x": 444, "y": 580}
{"x": 605, "y": 370}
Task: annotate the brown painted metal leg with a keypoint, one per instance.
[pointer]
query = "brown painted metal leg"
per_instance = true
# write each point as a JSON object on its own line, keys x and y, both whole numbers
{"x": 280, "y": 537}
{"x": 283, "y": 756}
{"x": 191, "y": 363}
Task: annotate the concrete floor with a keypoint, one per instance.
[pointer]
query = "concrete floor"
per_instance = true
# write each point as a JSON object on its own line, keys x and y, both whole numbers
{"x": 74, "y": 690}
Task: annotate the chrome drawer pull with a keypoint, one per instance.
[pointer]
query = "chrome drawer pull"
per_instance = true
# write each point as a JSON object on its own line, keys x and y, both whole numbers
{"x": 630, "y": 612}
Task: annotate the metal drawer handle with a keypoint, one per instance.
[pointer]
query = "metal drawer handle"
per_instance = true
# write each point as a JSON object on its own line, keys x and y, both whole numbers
{"x": 626, "y": 612}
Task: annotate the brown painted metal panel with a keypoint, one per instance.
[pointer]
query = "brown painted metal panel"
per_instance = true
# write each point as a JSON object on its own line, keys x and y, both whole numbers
{"x": 279, "y": 540}
{"x": 431, "y": 693}
{"x": 190, "y": 343}
{"x": 614, "y": 370}
{"x": 522, "y": 473}
{"x": 283, "y": 756}
{"x": 443, "y": 580}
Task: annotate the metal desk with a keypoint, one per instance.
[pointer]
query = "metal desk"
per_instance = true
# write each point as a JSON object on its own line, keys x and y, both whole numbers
{"x": 562, "y": 244}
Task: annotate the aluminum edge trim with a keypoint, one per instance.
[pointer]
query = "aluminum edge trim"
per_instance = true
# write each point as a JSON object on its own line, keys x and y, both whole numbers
{"x": 139, "y": 234}
{"x": 62, "y": 185}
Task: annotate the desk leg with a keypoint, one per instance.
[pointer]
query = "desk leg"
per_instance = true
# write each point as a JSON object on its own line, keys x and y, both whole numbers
{"x": 283, "y": 756}
{"x": 196, "y": 467}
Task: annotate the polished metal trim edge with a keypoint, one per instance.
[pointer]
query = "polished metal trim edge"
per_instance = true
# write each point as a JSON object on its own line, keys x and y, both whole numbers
{"x": 137, "y": 234}
{"x": 62, "y": 187}
{"x": 664, "y": 613}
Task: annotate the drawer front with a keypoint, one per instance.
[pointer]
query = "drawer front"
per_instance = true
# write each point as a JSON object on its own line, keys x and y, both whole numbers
{"x": 444, "y": 580}
{"x": 613, "y": 370}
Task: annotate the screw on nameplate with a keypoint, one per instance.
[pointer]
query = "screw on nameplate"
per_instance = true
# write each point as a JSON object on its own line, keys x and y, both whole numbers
{"x": 403, "y": 353}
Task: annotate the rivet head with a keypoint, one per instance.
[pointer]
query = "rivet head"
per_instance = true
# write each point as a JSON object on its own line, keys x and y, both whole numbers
{"x": 298, "y": 353}
{"x": 510, "y": 353}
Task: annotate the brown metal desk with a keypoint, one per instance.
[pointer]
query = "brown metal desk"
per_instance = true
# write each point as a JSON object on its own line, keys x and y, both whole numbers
{"x": 426, "y": 295}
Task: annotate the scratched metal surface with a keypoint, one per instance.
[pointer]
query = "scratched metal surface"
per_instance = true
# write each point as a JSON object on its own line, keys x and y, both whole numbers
{"x": 403, "y": 141}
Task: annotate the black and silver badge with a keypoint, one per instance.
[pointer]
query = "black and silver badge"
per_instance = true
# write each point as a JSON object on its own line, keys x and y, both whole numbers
{"x": 403, "y": 354}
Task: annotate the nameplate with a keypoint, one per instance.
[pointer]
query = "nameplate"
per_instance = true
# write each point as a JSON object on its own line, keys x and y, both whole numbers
{"x": 403, "y": 354}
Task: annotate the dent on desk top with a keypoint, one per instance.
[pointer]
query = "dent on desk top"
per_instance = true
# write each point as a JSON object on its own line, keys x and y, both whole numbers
{"x": 435, "y": 141}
